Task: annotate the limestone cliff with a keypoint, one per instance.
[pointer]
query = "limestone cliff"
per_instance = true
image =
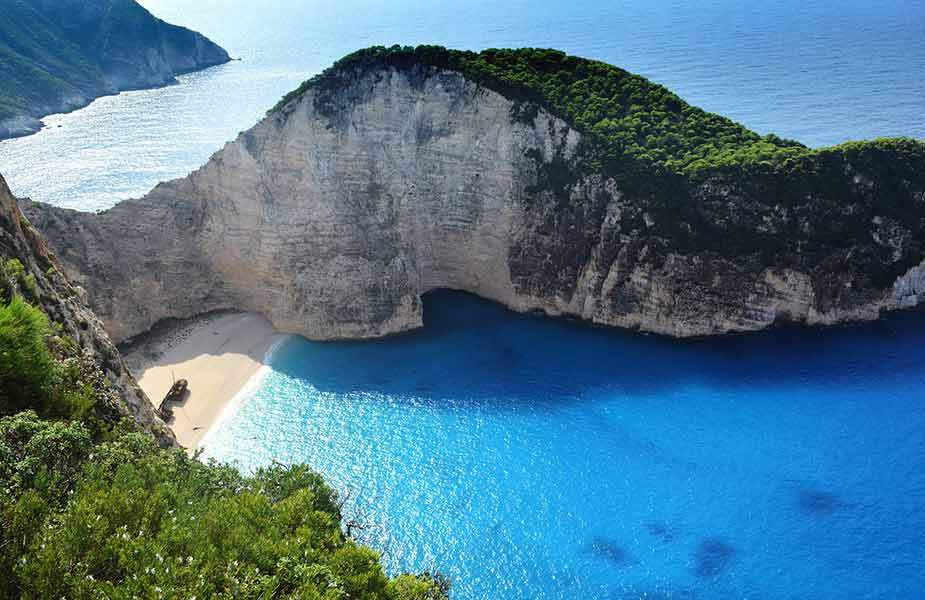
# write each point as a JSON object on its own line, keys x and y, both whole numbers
{"x": 66, "y": 307}
{"x": 334, "y": 214}
{"x": 58, "y": 55}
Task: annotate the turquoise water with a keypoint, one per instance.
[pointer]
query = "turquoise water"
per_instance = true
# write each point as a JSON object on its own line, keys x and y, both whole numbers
{"x": 533, "y": 459}
{"x": 818, "y": 71}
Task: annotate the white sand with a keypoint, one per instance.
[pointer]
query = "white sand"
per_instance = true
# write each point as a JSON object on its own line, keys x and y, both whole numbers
{"x": 216, "y": 354}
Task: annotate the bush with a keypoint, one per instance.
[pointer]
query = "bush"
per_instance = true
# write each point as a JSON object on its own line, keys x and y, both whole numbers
{"x": 26, "y": 366}
{"x": 13, "y": 275}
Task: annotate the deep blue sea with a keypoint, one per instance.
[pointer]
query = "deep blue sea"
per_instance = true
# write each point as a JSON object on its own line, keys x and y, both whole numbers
{"x": 533, "y": 459}
{"x": 529, "y": 459}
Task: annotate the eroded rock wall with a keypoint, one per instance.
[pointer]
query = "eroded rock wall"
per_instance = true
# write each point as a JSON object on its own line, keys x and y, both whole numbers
{"x": 335, "y": 214}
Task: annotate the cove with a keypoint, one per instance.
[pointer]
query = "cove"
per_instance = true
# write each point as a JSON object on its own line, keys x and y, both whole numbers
{"x": 528, "y": 458}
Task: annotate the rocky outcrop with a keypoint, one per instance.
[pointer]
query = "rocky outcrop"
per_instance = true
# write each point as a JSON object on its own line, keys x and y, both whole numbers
{"x": 59, "y": 55}
{"x": 66, "y": 307}
{"x": 337, "y": 212}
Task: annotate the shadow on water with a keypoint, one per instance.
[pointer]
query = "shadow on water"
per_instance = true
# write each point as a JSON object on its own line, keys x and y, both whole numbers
{"x": 638, "y": 493}
{"x": 660, "y": 531}
{"x": 815, "y": 502}
{"x": 712, "y": 558}
{"x": 517, "y": 359}
{"x": 611, "y": 552}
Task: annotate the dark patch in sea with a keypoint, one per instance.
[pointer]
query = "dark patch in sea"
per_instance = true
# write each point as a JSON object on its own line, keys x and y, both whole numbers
{"x": 712, "y": 558}
{"x": 660, "y": 531}
{"x": 610, "y": 552}
{"x": 818, "y": 502}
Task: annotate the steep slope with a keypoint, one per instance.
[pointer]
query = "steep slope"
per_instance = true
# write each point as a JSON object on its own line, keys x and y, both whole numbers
{"x": 58, "y": 55}
{"x": 542, "y": 181}
{"x": 67, "y": 309}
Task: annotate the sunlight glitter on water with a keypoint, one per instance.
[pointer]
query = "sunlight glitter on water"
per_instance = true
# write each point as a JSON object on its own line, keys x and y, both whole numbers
{"x": 527, "y": 458}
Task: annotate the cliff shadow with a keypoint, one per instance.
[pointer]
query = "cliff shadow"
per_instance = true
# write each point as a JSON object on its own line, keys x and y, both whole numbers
{"x": 475, "y": 351}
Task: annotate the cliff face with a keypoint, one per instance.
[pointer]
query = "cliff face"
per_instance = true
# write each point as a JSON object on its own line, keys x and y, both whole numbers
{"x": 336, "y": 213}
{"x": 66, "y": 306}
{"x": 58, "y": 55}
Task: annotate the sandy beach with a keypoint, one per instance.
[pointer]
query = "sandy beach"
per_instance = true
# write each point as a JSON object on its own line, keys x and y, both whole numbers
{"x": 217, "y": 354}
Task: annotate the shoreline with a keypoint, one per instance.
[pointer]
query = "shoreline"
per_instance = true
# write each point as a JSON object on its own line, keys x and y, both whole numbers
{"x": 223, "y": 356}
{"x": 33, "y": 124}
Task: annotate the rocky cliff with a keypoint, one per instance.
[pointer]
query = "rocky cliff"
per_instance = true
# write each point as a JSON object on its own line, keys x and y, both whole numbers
{"x": 384, "y": 179}
{"x": 66, "y": 307}
{"x": 58, "y": 55}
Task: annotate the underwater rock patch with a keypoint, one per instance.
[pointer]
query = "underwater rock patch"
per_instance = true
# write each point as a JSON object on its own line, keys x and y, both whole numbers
{"x": 818, "y": 502}
{"x": 713, "y": 557}
{"x": 610, "y": 552}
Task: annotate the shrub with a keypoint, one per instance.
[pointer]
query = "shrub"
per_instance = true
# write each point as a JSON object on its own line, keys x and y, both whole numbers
{"x": 26, "y": 366}
{"x": 13, "y": 275}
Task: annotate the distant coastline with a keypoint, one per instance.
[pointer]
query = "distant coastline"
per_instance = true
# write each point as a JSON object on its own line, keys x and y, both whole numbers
{"x": 26, "y": 125}
{"x": 56, "y": 59}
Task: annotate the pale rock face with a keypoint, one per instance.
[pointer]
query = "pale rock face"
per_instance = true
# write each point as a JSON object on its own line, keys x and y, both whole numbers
{"x": 332, "y": 221}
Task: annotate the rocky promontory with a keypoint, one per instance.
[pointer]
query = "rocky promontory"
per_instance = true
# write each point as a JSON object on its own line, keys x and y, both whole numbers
{"x": 541, "y": 181}
{"x": 59, "y": 55}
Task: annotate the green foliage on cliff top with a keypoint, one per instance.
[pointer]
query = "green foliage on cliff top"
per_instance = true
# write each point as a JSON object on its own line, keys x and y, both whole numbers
{"x": 630, "y": 121}
{"x": 89, "y": 510}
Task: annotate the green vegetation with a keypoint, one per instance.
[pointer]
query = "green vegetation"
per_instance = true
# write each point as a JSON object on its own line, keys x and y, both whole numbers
{"x": 632, "y": 123}
{"x": 125, "y": 519}
{"x": 13, "y": 274}
{"x": 41, "y": 371}
{"x": 26, "y": 366}
{"x": 91, "y": 510}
